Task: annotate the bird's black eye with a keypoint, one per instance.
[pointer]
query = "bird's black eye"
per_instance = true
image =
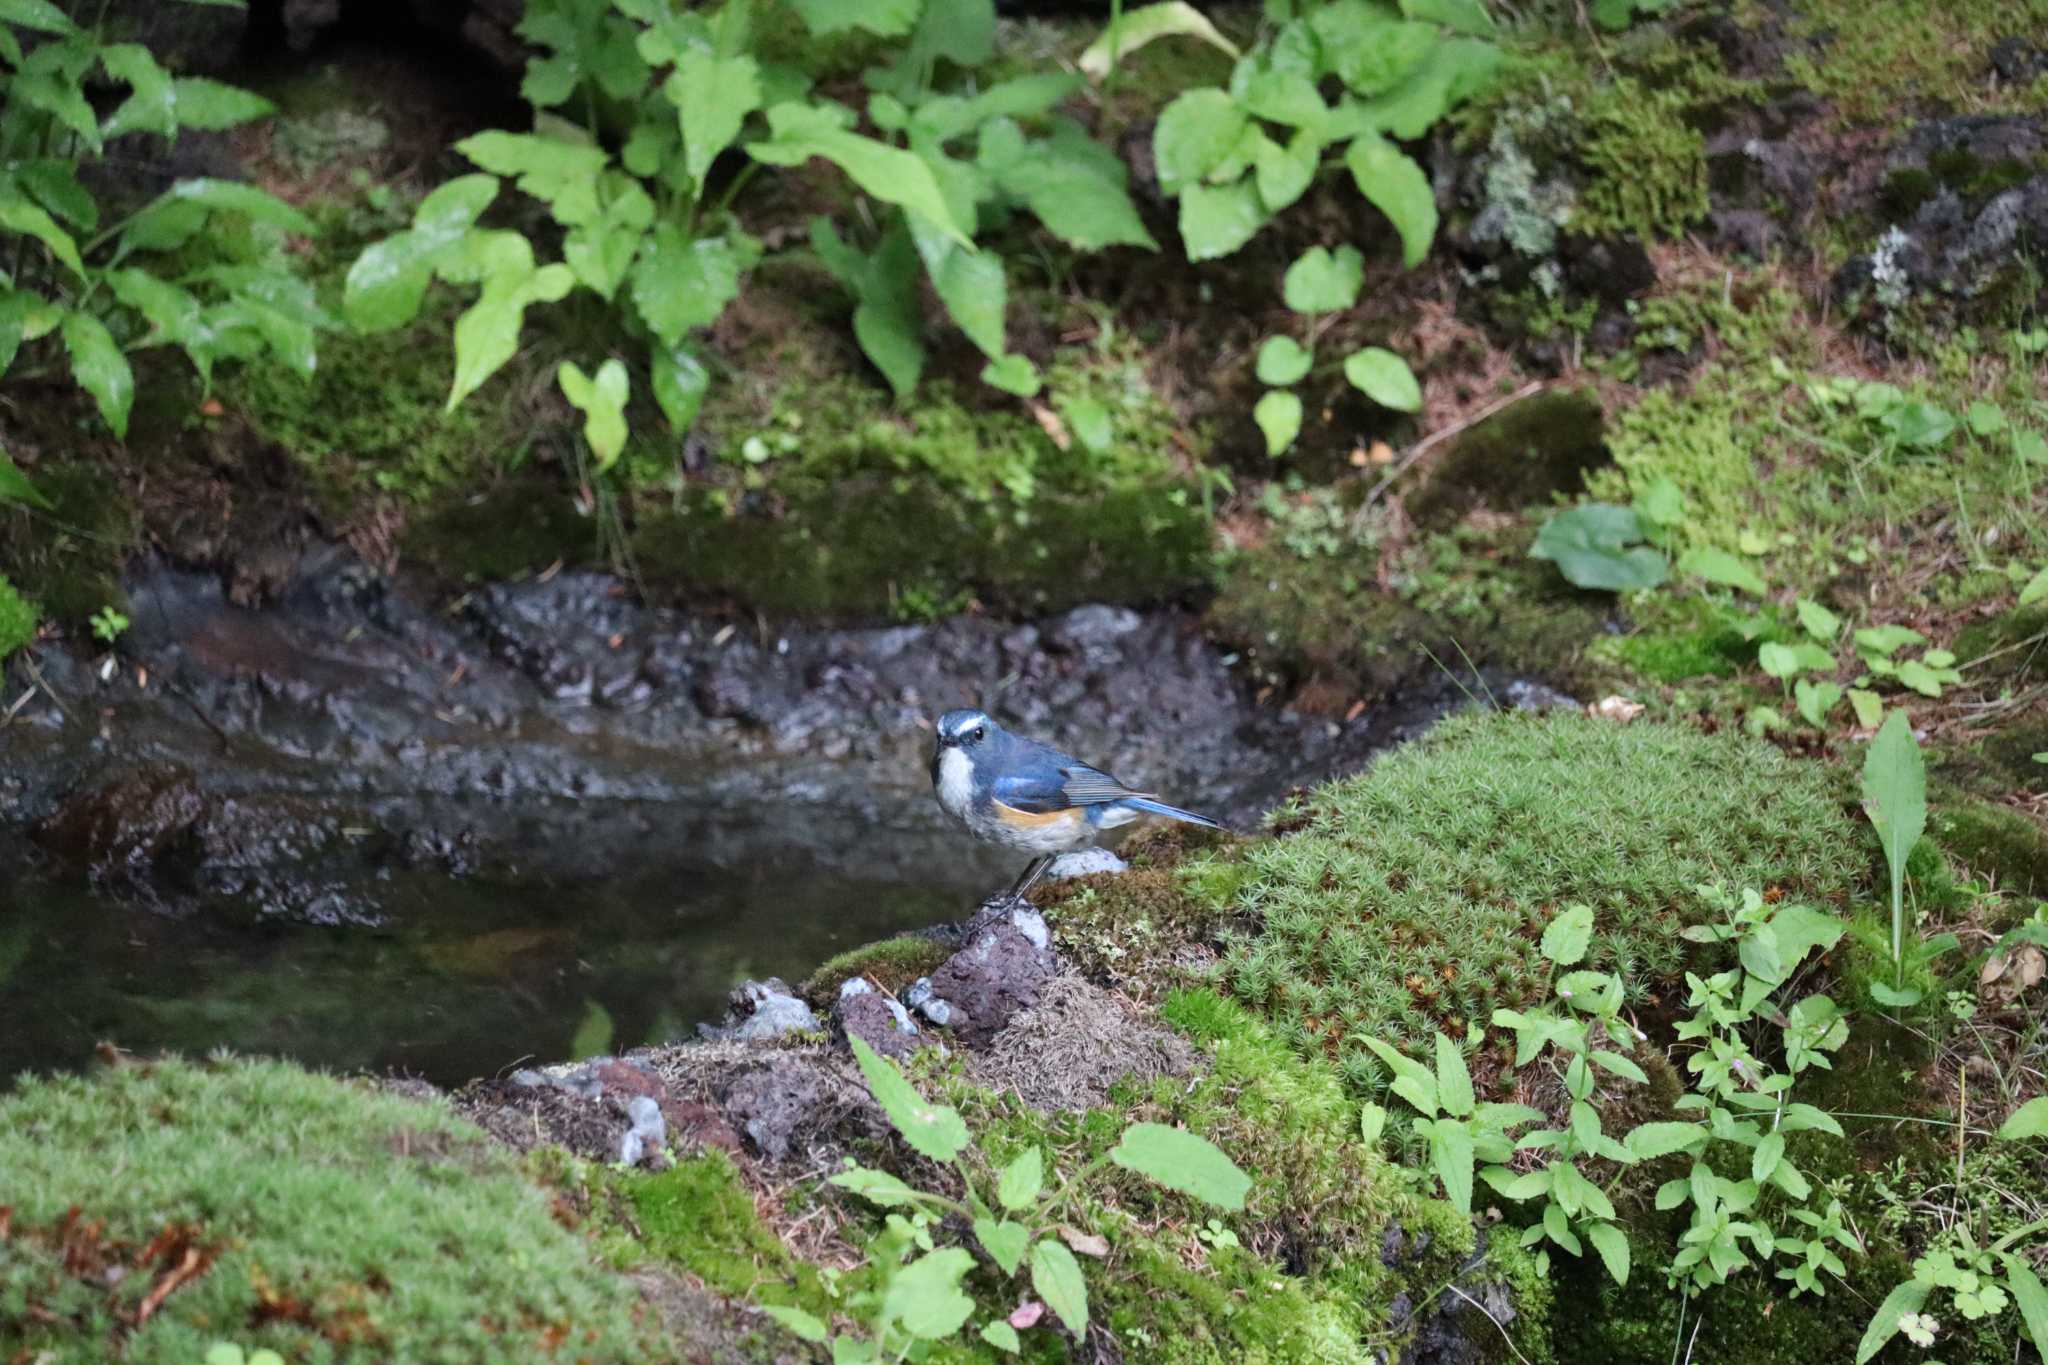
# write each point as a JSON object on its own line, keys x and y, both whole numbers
{"x": 977, "y": 733}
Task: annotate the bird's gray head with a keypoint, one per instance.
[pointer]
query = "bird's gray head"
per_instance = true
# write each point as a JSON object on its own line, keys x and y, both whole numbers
{"x": 965, "y": 729}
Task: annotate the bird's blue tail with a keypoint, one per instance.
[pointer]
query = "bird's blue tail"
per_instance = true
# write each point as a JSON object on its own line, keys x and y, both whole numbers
{"x": 1170, "y": 812}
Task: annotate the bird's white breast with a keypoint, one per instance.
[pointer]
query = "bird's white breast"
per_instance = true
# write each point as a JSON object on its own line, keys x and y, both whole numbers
{"x": 956, "y": 783}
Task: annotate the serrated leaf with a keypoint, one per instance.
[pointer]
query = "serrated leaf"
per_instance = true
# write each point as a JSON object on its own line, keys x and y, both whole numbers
{"x": 797, "y": 1322}
{"x": 19, "y": 215}
{"x": 602, "y": 250}
{"x": 799, "y": 132}
{"x": 1278, "y": 418}
{"x": 1004, "y": 1241}
{"x": 1021, "y": 1180}
{"x": 680, "y": 283}
{"x": 54, "y": 184}
{"x": 152, "y": 103}
{"x": 1079, "y": 196}
{"x": 1567, "y": 937}
{"x": 602, "y": 401}
{"x": 212, "y": 106}
{"x": 562, "y": 175}
{"x": 1651, "y": 1140}
{"x": 1283, "y": 96}
{"x": 1145, "y": 24}
{"x": 2030, "y": 1120}
{"x": 1612, "y": 1244}
{"x": 1385, "y": 378}
{"x": 934, "y": 1131}
{"x": 1194, "y": 135}
{"x": 1453, "y": 1081}
{"x": 1452, "y": 73}
{"x": 40, "y": 15}
{"x": 1283, "y": 361}
{"x": 100, "y": 368}
{"x": 925, "y": 1297}
{"x": 1391, "y": 181}
{"x": 1325, "y": 281}
{"x": 1183, "y": 1161}
{"x": 1718, "y": 566}
{"x": 713, "y": 96}
{"x": 1057, "y": 1278}
{"x": 1216, "y": 220}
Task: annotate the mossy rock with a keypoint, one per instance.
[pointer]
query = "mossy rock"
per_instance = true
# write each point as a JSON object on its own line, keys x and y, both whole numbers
{"x": 318, "y": 1218}
{"x": 1995, "y": 842}
{"x": 69, "y": 558}
{"x": 1520, "y": 457}
{"x": 893, "y": 964}
{"x": 1999, "y": 647}
{"x": 1411, "y": 898}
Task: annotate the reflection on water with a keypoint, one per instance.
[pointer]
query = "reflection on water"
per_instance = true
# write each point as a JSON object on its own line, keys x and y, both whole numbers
{"x": 469, "y": 977}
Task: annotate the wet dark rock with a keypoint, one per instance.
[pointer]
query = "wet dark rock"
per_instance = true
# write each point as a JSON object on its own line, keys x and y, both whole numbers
{"x": 882, "y": 1023}
{"x": 1453, "y": 1329}
{"x": 791, "y": 1102}
{"x": 1007, "y": 961}
{"x": 1517, "y": 458}
{"x": 122, "y": 828}
{"x": 1611, "y": 269}
{"x": 762, "y": 1010}
{"x": 2016, "y": 61}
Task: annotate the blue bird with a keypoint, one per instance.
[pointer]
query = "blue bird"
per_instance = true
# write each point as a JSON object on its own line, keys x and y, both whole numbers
{"x": 1025, "y": 795}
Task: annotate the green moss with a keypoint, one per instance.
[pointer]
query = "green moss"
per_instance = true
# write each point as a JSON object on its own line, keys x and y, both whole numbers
{"x": 1412, "y": 897}
{"x": 894, "y": 963}
{"x": 1648, "y": 164}
{"x": 700, "y": 1217}
{"x": 1132, "y": 928}
{"x": 1523, "y": 456}
{"x": 1881, "y": 57}
{"x": 17, "y": 619}
{"x": 330, "y": 1222}
{"x": 1995, "y": 842}
{"x": 69, "y": 558}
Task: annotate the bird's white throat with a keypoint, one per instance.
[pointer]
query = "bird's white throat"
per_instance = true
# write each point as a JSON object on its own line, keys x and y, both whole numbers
{"x": 956, "y": 782}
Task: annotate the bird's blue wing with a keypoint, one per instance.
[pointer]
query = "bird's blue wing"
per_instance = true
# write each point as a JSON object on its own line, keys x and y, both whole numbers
{"x": 1086, "y": 786}
{"x": 1040, "y": 790}
{"x": 1041, "y": 779}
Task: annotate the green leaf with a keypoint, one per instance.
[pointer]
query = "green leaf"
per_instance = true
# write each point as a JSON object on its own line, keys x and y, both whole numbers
{"x": 15, "y": 487}
{"x": 1895, "y": 799}
{"x": 152, "y": 103}
{"x": 1323, "y": 281}
{"x": 1278, "y": 415}
{"x": 1283, "y": 361}
{"x": 713, "y": 96}
{"x": 1819, "y": 622}
{"x": 1718, "y": 566}
{"x": 1612, "y": 1244}
{"x": 1391, "y": 181}
{"x": 2030, "y": 1120}
{"x": 487, "y": 333}
{"x": 387, "y": 282}
{"x": 1183, "y": 1161}
{"x": 679, "y": 381}
{"x": 1568, "y": 936}
{"x": 228, "y": 196}
{"x": 1282, "y": 174}
{"x": 1021, "y": 1180}
{"x": 2036, "y": 589}
{"x": 593, "y": 1032}
{"x": 1077, "y": 193}
{"x": 1460, "y": 16}
{"x": 1056, "y": 1275}
{"x": 1194, "y": 134}
{"x": 1985, "y": 419}
{"x": 877, "y": 1187}
{"x": 1594, "y": 545}
{"x": 2029, "y": 1294}
{"x": 1619, "y": 1065}
{"x": 680, "y": 283}
{"x": 1450, "y": 1155}
{"x": 1385, "y": 378}
{"x": 1004, "y": 1242}
{"x": 925, "y": 1297}
{"x": 100, "y": 368}
{"x": 1815, "y": 700}
{"x": 562, "y": 175}
{"x": 1920, "y": 425}
{"x": 1216, "y": 220}
{"x": 2029, "y": 447}
{"x": 1651, "y": 1140}
{"x": 1766, "y": 1157}
{"x": 1453, "y": 1081}
{"x": 603, "y": 403}
{"x": 601, "y": 250}
{"x": 1145, "y": 24}
{"x": 212, "y": 106}
{"x": 1452, "y": 73}
{"x": 799, "y": 132}
{"x": 1885, "y": 641}
{"x": 1884, "y": 1324}
{"x": 19, "y": 215}
{"x": 1012, "y": 374}
{"x": 1283, "y": 96}
{"x": 54, "y": 183}
{"x": 36, "y": 14}
{"x": 1412, "y": 1080}
{"x": 796, "y": 1321}
{"x": 971, "y": 286}
{"x": 1895, "y": 997}
{"x": 1868, "y": 705}
{"x": 1002, "y": 1336}
{"x": 934, "y": 1131}
{"x": 883, "y": 18}
{"x": 1368, "y": 50}
{"x": 1799, "y": 1118}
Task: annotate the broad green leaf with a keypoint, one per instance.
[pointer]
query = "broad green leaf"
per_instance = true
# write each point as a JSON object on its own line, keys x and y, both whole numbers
{"x": 1453, "y": 1081}
{"x": 1612, "y": 1244}
{"x": 49, "y": 79}
{"x": 1021, "y": 1180}
{"x": 100, "y": 368}
{"x": 1895, "y": 799}
{"x": 1278, "y": 415}
{"x": 679, "y": 381}
{"x": 602, "y": 250}
{"x": 2029, "y": 447}
{"x": 1920, "y": 425}
{"x": 1868, "y": 705}
{"x": 602, "y": 401}
{"x": 1372, "y": 1122}
{"x": 1884, "y": 641}
{"x": 1651, "y": 1140}
{"x": 1282, "y": 360}
{"x": 1896, "y": 997}
{"x": 387, "y": 282}
{"x": 1412, "y": 1080}
{"x": 487, "y": 333}
{"x": 1074, "y": 190}
{"x": 1002, "y": 1336}
{"x": 713, "y": 96}
{"x": 562, "y": 175}
{"x": 1452, "y": 73}
{"x": 1718, "y": 566}
{"x": 2028, "y": 1121}
{"x": 799, "y": 132}
{"x": 1986, "y": 419}
{"x": 1568, "y": 936}
{"x": 1282, "y": 174}
{"x": 1801, "y": 1117}
{"x": 594, "y": 1032}
{"x": 1183, "y": 1161}
{"x": 1460, "y": 16}
{"x": 1012, "y": 374}
{"x": 36, "y": 14}
{"x": 228, "y": 196}
{"x": 679, "y": 283}
{"x": 1385, "y": 378}
{"x": 2036, "y": 589}
{"x": 1056, "y": 1275}
{"x": 877, "y": 1187}
{"x": 883, "y": 18}
{"x": 1594, "y": 545}
{"x": 212, "y": 106}
{"x": 797, "y": 1322}
{"x": 15, "y": 487}
{"x": 1509, "y": 1185}
{"x": 2029, "y": 1294}
{"x": 925, "y": 1297}
{"x": 1619, "y": 1065}
{"x": 152, "y": 103}
{"x": 1369, "y": 50}
{"x": 1884, "y": 1324}
{"x": 1766, "y": 1157}
{"x": 1283, "y": 96}
{"x": 934, "y": 1131}
{"x": 1145, "y": 24}
{"x": 1323, "y": 281}
{"x": 1815, "y": 700}
{"x": 1089, "y": 420}
{"x": 170, "y": 311}
{"x": 54, "y": 183}
{"x": 1450, "y": 1155}
{"x": 1391, "y": 181}
{"x": 19, "y": 215}
{"x": 1194, "y": 134}
{"x": 1819, "y": 622}
{"x": 1004, "y": 1241}
{"x": 1216, "y": 220}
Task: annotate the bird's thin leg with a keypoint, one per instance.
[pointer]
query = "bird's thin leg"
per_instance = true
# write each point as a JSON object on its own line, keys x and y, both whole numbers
{"x": 1030, "y": 877}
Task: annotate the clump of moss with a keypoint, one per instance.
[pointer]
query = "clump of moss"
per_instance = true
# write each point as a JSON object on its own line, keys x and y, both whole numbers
{"x": 17, "y": 619}
{"x": 700, "y": 1217}
{"x": 1134, "y": 929}
{"x": 318, "y": 1218}
{"x": 1521, "y": 456}
{"x": 1648, "y": 165}
{"x": 1413, "y": 896}
{"x": 893, "y": 963}
{"x": 69, "y": 559}
{"x": 1995, "y": 842}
